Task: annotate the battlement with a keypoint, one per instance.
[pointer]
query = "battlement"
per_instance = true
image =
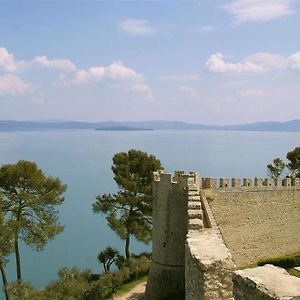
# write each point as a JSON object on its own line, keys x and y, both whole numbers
{"x": 225, "y": 182}
{"x": 179, "y": 177}
{"x": 205, "y": 228}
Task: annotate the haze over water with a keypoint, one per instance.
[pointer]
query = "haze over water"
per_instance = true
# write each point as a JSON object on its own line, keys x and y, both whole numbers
{"x": 82, "y": 159}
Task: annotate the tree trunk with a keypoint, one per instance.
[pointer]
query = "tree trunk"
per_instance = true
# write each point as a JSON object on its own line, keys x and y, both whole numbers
{"x": 4, "y": 281}
{"x": 127, "y": 243}
{"x": 18, "y": 260}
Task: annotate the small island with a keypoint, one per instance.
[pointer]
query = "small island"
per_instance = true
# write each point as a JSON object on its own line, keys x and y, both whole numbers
{"x": 123, "y": 128}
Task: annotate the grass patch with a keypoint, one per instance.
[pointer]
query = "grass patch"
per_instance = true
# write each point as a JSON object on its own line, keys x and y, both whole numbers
{"x": 286, "y": 261}
{"x": 294, "y": 272}
{"x": 126, "y": 287}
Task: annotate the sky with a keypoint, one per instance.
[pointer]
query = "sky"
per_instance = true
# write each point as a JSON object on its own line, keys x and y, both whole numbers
{"x": 205, "y": 61}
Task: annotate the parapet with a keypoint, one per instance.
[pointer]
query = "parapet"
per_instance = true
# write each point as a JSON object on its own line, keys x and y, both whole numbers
{"x": 179, "y": 177}
{"x": 225, "y": 182}
{"x": 267, "y": 282}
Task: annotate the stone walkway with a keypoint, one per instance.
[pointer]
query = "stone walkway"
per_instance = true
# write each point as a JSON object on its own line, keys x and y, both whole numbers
{"x": 135, "y": 294}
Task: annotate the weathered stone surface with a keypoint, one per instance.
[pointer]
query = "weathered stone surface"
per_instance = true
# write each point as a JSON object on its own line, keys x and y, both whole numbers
{"x": 208, "y": 267}
{"x": 194, "y": 205}
{"x": 195, "y": 214}
{"x": 251, "y": 222}
{"x": 165, "y": 282}
{"x": 265, "y": 283}
{"x": 170, "y": 225}
{"x": 257, "y": 223}
{"x": 195, "y": 224}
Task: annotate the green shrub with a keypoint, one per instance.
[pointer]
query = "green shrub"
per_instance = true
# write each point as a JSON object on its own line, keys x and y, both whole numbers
{"x": 83, "y": 285}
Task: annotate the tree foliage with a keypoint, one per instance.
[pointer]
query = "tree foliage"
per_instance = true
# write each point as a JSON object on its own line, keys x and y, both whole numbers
{"x": 129, "y": 211}
{"x": 29, "y": 199}
{"x": 276, "y": 168}
{"x": 6, "y": 247}
{"x": 294, "y": 162}
{"x": 107, "y": 257}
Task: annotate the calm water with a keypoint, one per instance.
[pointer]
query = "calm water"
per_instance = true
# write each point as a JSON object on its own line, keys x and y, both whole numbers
{"x": 82, "y": 160}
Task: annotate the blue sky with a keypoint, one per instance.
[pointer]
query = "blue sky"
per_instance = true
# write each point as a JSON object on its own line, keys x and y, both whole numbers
{"x": 211, "y": 62}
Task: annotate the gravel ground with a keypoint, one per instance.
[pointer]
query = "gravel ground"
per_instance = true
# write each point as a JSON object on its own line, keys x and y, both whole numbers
{"x": 135, "y": 294}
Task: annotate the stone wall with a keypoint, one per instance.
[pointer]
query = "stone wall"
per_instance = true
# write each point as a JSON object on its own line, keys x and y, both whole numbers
{"x": 265, "y": 283}
{"x": 208, "y": 263}
{"x": 257, "y": 222}
{"x": 203, "y": 229}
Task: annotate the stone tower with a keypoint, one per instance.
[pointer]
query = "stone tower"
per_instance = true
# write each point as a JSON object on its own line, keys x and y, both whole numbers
{"x": 166, "y": 277}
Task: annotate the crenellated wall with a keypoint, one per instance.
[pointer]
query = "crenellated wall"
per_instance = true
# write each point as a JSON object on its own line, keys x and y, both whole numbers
{"x": 248, "y": 182}
{"x": 203, "y": 229}
{"x": 258, "y": 222}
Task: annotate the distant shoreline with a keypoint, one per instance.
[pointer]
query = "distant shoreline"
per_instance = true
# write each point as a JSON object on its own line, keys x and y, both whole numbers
{"x": 8, "y": 125}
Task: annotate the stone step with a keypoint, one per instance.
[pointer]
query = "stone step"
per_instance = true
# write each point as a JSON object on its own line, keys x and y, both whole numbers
{"x": 194, "y": 205}
{"x": 192, "y": 188}
{"x": 194, "y": 198}
{"x": 195, "y": 214}
{"x": 195, "y": 224}
{"x": 193, "y": 193}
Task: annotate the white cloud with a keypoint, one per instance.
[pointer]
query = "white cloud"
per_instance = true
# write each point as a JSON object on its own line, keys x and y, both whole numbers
{"x": 217, "y": 64}
{"x": 258, "y": 10}
{"x": 256, "y": 63}
{"x": 252, "y": 93}
{"x": 269, "y": 61}
{"x": 294, "y": 61}
{"x": 137, "y": 27}
{"x": 189, "y": 90}
{"x": 87, "y": 76}
{"x": 183, "y": 77}
{"x": 12, "y": 85}
{"x": 115, "y": 73}
{"x": 8, "y": 63}
{"x": 59, "y": 64}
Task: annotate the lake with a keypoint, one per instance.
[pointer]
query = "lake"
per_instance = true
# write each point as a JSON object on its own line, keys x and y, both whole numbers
{"x": 82, "y": 159}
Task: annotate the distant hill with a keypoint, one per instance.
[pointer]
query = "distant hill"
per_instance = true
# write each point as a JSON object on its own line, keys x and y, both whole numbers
{"x": 122, "y": 128}
{"x": 290, "y": 126}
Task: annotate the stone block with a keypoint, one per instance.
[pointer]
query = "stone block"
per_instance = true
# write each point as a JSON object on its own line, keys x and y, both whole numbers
{"x": 258, "y": 182}
{"x": 224, "y": 182}
{"x": 195, "y": 214}
{"x": 194, "y": 205}
{"x": 195, "y": 224}
{"x": 265, "y": 283}
{"x": 287, "y": 182}
{"x": 235, "y": 182}
{"x": 247, "y": 182}
{"x": 296, "y": 182}
{"x": 268, "y": 182}
{"x": 209, "y": 183}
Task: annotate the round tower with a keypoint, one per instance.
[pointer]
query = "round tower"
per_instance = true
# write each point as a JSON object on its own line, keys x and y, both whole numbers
{"x": 166, "y": 277}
